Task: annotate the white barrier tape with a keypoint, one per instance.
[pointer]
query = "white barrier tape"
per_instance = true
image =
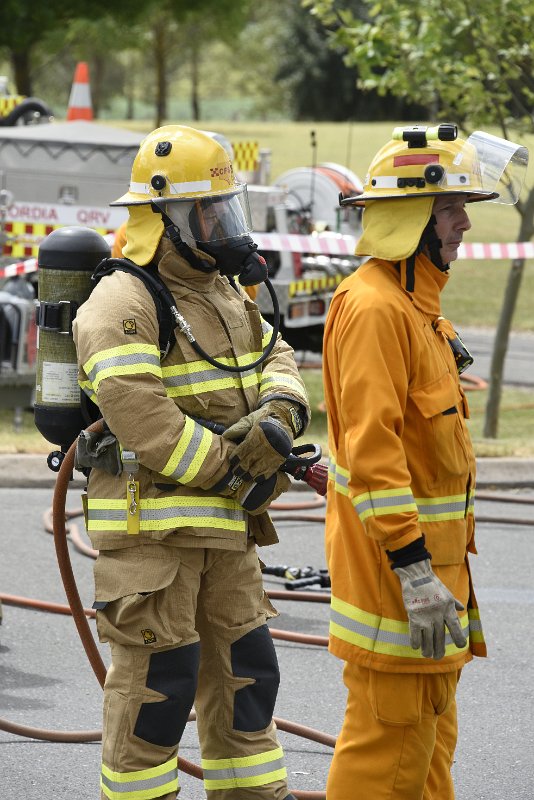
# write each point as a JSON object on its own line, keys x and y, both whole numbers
{"x": 337, "y": 245}
{"x": 345, "y": 245}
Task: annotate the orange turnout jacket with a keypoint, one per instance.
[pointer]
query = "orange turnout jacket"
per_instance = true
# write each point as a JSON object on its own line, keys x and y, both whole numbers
{"x": 401, "y": 463}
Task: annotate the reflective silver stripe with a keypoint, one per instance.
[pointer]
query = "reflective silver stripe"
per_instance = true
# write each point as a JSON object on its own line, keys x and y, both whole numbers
{"x": 242, "y": 772}
{"x": 384, "y": 182}
{"x": 369, "y": 631}
{"x": 372, "y": 503}
{"x": 173, "y": 188}
{"x": 190, "y": 452}
{"x": 427, "y": 511}
{"x": 391, "y": 181}
{"x": 279, "y": 380}
{"x": 153, "y": 514}
{"x": 136, "y": 784}
{"x": 172, "y": 379}
{"x": 378, "y": 634}
{"x": 458, "y": 179}
{"x": 122, "y": 361}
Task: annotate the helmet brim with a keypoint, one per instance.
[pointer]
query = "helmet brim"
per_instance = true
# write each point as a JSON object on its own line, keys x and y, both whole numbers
{"x": 474, "y": 196}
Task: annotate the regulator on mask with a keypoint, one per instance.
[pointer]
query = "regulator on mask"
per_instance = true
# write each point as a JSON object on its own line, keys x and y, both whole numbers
{"x": 219, "y": 227}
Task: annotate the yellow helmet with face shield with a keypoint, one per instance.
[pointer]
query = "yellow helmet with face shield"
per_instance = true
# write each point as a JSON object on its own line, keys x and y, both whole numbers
{"x": 421, "y": 163}
{"x": 185, "y": 176}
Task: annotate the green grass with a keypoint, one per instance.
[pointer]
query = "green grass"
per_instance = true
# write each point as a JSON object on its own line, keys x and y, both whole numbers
{"x": 516, "y": 429}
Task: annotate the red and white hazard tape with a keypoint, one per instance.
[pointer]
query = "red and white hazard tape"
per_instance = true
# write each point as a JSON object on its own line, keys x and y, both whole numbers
{"x": 329, "y": 245}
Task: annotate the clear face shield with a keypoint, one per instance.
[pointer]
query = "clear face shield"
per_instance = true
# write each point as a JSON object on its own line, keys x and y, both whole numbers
{"x": 212, "y": 219}
{"x": 221, "y": 226}
{"x": 499, "y": 165}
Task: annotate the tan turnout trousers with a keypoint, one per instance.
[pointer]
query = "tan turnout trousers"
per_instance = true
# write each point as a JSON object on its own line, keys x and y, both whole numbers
{"x": 198, "y": 634}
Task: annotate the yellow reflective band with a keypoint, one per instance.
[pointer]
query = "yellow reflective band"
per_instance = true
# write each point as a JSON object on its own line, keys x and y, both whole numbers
{"x": 384, "y": 501}
{"x": 190, "y": 453}
{"x": 379, "y": 634}
{"x": 167, "y": 513}
{"x": 476, "y": 634}
{"x": 279, "y": 380}
{"x": 131, "y": 359}
{"x": 191, "y": 389}
{"x": 257, "y": 780}
{"x": 144, "y": 784}
{"x": 198, "y": 377}
{"x": 242, "y": 761}
{"x": 227, "y": 773}
{"x": 439, "y": 509}
{"x": 340, "y": 476}
{"x": 87, "y": 388}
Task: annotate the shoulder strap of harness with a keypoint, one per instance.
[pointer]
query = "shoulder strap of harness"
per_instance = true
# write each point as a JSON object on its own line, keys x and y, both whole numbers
{"x": 155, "y": 285}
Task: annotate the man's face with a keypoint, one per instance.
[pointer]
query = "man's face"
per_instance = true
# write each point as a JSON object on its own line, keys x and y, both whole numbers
{"x": 451, "y": 223}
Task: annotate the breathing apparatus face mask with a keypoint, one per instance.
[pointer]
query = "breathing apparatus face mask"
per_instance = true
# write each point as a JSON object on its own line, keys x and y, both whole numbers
{"x": 220, "y": 226}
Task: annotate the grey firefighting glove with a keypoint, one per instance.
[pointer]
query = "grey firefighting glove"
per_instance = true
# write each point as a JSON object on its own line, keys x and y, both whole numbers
{"x": 267, "y": 438}
{"x": 430, "y": 607}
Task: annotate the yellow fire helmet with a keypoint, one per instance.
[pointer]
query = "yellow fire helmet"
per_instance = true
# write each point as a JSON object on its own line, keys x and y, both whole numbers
{"x": 177, "y": 164}
{"x": 420, "y": 163}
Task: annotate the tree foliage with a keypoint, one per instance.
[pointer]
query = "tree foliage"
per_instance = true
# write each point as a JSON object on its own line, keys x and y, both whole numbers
{"x": 321, "y": 86}
{"x": 24, "y": 24}
{"x": 471, "y": 62}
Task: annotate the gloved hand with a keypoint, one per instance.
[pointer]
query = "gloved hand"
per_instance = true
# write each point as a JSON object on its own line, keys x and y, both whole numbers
{"x": 430, "y": 606}
{"x": 257, "y": 497}
{"x": 267, "y": 435}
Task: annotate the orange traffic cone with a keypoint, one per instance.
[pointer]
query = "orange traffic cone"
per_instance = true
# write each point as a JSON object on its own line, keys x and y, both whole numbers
{"x": 80, "y": 106}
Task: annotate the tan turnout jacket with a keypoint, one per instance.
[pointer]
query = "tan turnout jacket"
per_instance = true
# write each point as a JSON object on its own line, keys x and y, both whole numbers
{"x": 150, "y": 406}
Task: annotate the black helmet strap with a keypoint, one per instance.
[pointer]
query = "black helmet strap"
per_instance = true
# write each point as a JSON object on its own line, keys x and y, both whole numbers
{"x": 433, "y": 243}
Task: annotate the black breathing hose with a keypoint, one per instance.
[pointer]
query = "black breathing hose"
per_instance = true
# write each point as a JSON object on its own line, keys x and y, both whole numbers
{"x": 186, "y": 330}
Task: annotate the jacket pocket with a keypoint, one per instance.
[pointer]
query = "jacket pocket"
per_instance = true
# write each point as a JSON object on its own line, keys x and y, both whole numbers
{"x": 440, "y": 429}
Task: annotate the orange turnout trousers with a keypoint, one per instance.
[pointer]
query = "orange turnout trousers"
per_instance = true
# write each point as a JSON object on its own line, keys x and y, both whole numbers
{"x": 398, "y": 737}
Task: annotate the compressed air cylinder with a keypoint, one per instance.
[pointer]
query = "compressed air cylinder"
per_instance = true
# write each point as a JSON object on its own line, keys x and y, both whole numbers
{"x": 67, "y": 258}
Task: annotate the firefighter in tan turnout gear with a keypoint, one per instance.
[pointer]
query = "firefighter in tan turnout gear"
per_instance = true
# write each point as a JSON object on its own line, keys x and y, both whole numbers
{"x": 179, "y": 591}
{"x": 400, "y": 522}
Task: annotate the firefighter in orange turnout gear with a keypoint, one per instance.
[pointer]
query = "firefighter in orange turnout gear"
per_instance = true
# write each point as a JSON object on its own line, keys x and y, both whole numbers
{"x": 179, "y": 592}
{"x": 399, "y": 523}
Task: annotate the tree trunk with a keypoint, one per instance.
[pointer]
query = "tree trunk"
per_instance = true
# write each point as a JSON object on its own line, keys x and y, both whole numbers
{"x": 160, "y": 55}
{"x": 195, "y": 80}
{"x": 97, "y": 81}
{"x": 502, "y": 334}
{"x": 21, "y": 71}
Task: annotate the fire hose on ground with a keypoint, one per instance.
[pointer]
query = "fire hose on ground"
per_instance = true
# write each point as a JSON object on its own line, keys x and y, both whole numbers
{"x": 80, "y": 616}
{"x": 56, "y": 524}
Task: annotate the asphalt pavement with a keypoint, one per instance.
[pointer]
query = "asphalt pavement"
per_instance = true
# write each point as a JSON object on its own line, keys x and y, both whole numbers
{"x": 46, "y": 681}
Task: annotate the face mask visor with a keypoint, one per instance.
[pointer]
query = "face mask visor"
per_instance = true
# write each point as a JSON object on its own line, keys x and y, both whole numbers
{"x": 213, "y": 219}
{"x": 502, "y": 165}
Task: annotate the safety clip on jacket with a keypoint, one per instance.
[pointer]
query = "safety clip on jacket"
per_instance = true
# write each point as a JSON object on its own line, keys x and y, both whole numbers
{"x": 131, "y": 466}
